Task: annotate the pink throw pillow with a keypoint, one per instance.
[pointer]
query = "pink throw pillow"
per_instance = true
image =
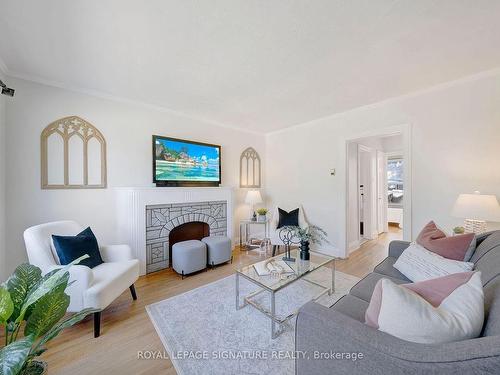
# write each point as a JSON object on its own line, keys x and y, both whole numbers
{"x": 434, "y": 291}
{"x": 455, "y": 247}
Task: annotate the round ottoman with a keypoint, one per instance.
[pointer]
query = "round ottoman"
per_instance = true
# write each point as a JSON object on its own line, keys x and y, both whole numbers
{"x": 219, "y": 249}
{"x": 189, "y": 256}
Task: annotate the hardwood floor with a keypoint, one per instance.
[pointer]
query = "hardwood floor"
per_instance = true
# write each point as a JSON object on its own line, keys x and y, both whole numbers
{"x": 362, "y": 261}
{"x": 126, "y": 328}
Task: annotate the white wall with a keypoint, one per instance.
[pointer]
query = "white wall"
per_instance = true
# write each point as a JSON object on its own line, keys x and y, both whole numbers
{"x": 392, "y": 144}
{"x": 127, "y": 128}
{"x": 3, "y": 269}
{"x": 455, "y": 138}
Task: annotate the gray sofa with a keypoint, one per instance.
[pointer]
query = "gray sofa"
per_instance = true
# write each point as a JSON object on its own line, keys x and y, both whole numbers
{"x": 341, "y": 329}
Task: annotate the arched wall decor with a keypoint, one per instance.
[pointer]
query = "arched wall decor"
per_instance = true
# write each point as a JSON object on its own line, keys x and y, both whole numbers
{"x": 83, "y": 145}
{"x": 250, "y": 169}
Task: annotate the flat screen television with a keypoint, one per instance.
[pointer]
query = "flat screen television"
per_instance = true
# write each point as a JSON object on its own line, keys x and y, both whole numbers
{"x": 179, "y": 162}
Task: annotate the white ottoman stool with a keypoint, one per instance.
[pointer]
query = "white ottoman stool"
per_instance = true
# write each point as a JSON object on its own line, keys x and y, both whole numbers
{"x": 189, "y": 256}
{"x": 219, "y": 249}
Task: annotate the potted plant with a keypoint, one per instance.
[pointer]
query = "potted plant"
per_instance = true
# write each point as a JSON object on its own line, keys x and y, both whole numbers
{"x": 262, "y": 214}
{"x": 35, "y": 305}
{"x": 313, "y": 234}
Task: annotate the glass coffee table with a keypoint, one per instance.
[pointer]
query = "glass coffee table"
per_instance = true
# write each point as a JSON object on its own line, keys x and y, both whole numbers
{"x": 273, "y": 284}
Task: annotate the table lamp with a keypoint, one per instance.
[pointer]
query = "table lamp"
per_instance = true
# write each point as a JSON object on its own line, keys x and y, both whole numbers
{"x": 253, "y": 197}
{"x": 476, "y": 209}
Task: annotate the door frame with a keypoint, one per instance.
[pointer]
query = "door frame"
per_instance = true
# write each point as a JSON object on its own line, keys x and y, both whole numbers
{"x": 382, "y": 224}
{"x": 405, "y": 131}
{"x": 368, "y": 230}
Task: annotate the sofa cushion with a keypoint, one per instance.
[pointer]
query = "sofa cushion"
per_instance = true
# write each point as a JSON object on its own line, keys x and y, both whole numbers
{"x": 418, "y": 264}
{"x": 487, "y": 257}
{"x": 364, "y": 288}
{"x": 459, "y": 247}
{"x": 386, "y": 268}
{"x": 445, "y": 309}
{"x": 492, "y": 308}
{"x": 352, "y": 307}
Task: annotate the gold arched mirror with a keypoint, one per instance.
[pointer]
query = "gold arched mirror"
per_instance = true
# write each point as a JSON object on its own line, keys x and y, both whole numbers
{"x": 73, "y": 155}
{"x": 250, "y": 169}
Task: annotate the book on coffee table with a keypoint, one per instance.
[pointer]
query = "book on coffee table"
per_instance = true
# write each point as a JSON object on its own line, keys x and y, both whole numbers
{"x": 262, "y": 270}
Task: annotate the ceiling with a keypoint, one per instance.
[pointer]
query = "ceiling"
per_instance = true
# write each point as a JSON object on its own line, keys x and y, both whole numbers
{"x": 261, "y": 65}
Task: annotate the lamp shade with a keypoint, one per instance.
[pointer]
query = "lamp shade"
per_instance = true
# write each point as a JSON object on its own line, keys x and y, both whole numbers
{"x": 477, "y": 207}
{"x": 253, "y": 197}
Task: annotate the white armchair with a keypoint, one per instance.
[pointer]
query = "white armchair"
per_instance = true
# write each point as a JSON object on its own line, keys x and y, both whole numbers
{"x": 273, "y": 225}
{"x": 92, "y": 287}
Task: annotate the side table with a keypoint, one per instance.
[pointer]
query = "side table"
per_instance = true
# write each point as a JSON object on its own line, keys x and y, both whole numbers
{"x": 245, "y": 233}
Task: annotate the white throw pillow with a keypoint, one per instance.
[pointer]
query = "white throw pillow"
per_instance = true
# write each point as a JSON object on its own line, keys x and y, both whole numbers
{"x": 455, "y": 310}
{"x": 418, "y": 264}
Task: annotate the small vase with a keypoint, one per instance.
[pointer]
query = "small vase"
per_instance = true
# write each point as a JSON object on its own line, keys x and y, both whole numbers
{"x": 261, "y": 218}
{"x": 304, "y": 250}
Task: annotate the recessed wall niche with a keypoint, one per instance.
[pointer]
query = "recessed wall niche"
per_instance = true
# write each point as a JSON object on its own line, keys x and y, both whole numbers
{"x": 73, "y": 155}
{"x": 250, "y": 169}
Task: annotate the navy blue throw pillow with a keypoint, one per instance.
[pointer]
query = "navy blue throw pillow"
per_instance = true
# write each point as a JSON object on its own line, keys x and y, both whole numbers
{"x": 288, "y": 218}
{"x": 69, "y": 248}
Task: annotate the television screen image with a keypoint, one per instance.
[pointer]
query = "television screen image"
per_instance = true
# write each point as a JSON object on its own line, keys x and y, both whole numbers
{"x": 177, "y": 160}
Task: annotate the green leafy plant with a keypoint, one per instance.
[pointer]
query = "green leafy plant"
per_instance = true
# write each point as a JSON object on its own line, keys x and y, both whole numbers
{"x": 262, "y": 211}
{"x": 34, "y": 304}
{"x": 459, "y": 230}
{"x": 312, "y": 233}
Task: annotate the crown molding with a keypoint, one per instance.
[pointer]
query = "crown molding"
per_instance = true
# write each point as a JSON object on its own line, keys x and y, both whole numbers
{"x": 397, "y": 99}
{"x": 123, "y": 100}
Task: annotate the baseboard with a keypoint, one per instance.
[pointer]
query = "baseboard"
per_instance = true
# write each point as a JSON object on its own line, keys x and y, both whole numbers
{"x": 354, "y": 245}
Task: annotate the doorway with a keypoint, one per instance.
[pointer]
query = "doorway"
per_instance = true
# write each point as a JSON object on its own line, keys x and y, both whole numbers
{"x": 375, "y": 189}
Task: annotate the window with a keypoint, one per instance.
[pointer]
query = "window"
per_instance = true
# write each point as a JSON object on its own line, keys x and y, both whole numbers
{"x": 395, "y": 182}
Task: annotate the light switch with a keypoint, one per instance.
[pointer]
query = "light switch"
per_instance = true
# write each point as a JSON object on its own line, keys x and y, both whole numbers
{"x": 332, "y": 172}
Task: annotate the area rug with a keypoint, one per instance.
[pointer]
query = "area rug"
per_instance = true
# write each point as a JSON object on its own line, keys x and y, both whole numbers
{"x": 203, "y": 333}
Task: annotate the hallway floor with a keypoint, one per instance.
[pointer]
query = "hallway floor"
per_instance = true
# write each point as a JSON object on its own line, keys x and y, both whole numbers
{"x": 362, "y": 261}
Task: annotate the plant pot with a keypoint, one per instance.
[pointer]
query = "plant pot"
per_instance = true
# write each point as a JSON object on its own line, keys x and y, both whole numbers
{"x": 261, "y": 218}
{"x": 36, "y": 368}
{"x": 304, "y": 250}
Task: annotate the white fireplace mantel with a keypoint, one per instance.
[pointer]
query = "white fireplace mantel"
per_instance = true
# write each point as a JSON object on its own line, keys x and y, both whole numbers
{"x": 131, "y": 210}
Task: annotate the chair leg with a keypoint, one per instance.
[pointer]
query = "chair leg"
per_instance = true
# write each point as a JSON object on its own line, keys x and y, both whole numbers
{"x": 132, "y": 291}
{"x": 274, "y": 249}
{"x": 97, "y": 324}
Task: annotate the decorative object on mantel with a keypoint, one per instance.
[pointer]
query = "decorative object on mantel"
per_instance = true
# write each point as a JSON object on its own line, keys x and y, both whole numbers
{"x": 288, "y": 237}
{"x": 67, "y": 145}
{"x": 262, "y": 214}
{"x": 252, "y": 198}
{"x": 476, "y": 209}
{"x": 250, "y": 169}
